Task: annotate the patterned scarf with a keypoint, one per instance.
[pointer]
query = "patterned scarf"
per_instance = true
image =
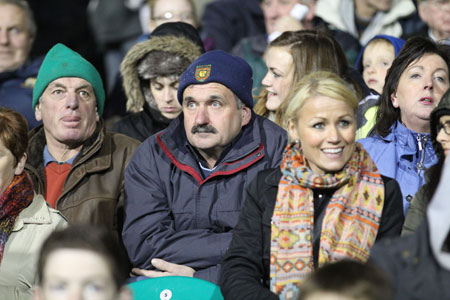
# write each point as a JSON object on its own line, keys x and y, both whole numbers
{"x": 349, "y": 227}
{"x": 17, "y": 196}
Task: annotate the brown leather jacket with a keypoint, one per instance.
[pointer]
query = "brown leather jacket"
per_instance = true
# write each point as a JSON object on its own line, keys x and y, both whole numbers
{"x": 93, "y": 192}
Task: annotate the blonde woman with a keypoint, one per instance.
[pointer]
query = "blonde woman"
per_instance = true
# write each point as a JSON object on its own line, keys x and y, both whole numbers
{"x": 326, "y": 202}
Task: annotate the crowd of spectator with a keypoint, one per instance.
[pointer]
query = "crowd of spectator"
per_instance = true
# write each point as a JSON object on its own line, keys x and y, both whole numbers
{"x": 281, "y": 149}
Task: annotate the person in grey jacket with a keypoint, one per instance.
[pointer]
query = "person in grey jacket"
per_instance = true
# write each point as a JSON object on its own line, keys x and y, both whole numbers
{"x": 439, "y": 129}
{"x": 419, "y": 264}
{"x": 185, "y": 186}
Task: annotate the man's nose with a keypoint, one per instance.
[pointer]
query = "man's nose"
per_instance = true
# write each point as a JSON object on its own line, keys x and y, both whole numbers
{"x": 72, "y": 101}
{"x": 202, "y": 116}
{"x": 4, "y": 38}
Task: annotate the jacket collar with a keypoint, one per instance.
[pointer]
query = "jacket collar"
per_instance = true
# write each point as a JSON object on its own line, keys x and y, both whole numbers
{"x": 36, "y": 213}
{"x": 246, "y": 142}
{"x": 405, "y": 137}
{"x": 273, "y": 178}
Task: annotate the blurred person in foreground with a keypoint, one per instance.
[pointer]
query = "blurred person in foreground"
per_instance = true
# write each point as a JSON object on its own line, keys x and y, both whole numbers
{"x": 81, "y": 262}
{"x": 347, "y": 280}
{"x": 419, "y": 264}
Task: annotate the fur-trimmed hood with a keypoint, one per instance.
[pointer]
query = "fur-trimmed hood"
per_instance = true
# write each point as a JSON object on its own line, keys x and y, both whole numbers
{"x": 179, "y": 48}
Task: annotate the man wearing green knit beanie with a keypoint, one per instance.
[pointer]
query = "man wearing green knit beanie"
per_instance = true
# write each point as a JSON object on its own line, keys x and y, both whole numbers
{"x": 73, "y": 161}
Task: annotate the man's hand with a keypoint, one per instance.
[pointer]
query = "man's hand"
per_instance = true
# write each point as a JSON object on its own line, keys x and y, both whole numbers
{"x": 165, "y": 269}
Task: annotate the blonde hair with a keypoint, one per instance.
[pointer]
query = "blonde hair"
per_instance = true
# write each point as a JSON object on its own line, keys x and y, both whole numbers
{"x": 321, "y": 83}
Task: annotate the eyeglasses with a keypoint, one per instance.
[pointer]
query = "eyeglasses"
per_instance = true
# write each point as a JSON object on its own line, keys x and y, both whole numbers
{"x": 168, "y": 15}
{"x": 445, "y": 126}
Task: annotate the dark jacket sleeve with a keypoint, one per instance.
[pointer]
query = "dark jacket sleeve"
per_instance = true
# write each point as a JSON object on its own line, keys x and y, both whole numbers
{"x": 392, "y": 216}
{"x": 416, "y": 212}
{"x": 149, "y": 229}
{"x": 245, "y": 265}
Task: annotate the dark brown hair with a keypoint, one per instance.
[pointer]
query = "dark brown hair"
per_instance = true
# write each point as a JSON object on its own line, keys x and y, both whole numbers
{"x": 414, "y": 49}
{"x": 86, "y": 237}
{"x": 13, "y": 132}
{"x": 351, "y": 279}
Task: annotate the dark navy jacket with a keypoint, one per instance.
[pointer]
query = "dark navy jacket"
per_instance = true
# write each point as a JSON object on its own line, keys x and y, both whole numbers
{"x": 16, "y": 90}
{"x": 173, "y": 213}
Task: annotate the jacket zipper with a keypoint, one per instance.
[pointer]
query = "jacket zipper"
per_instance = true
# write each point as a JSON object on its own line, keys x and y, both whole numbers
{"x": 420, "y": 141}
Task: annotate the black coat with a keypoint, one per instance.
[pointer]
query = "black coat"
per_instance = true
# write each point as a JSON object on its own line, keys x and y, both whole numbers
{"x": 246, "y": 265}
{"x": 414, "y": 271}
{"x": 141, "y": 125}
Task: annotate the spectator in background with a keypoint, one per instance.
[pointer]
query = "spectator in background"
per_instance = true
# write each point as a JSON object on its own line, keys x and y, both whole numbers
{"x": 414, "y": 85}
{"x": 290, "y": 57}
{"x": 226, "y": 22}
{"x": 185, "y": 186}
{"x": 373, "y": 62}
{"x": 151, "y": 71}
{"x": 25, "y": 218}
{"x": 348, "y": 280}
{"x": 364, "y": 19}
{"x": 81, "y": 262}
{"x": 116, "y": 29}
{"x": 163, "y": 11}
{"x": 72, "y": 159}
{"x": 436, "y": 16}
{"x": 17, "y": 71}
{"x": 315, "y": 208}
{"x": 281, "y": 16}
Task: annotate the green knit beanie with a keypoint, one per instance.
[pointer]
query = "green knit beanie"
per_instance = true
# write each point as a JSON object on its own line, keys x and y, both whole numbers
{"x": 62, "y": 61}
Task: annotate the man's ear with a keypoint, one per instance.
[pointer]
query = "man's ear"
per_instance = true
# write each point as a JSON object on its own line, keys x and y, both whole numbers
{"x": 394, "y": 99}
{"x": 37, "y": 111}
{"x": 246, "y": 115}
{"x": 97, "y": 117}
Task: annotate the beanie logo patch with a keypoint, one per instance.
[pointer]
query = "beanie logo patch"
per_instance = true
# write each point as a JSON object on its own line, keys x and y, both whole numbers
{"x": 202, "y": 72}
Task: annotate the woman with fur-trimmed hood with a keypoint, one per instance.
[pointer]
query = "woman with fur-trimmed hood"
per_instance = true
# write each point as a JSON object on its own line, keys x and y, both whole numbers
{"x": 150, "y": 73}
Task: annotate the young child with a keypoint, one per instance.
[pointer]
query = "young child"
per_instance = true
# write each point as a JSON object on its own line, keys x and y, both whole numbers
{"x": 375, "y": 59}
{"x": 347, "y": 280}
{"x": 373, "y": 62}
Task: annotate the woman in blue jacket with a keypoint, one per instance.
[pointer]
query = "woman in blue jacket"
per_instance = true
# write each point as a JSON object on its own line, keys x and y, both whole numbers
{"x": 415, "y": 83}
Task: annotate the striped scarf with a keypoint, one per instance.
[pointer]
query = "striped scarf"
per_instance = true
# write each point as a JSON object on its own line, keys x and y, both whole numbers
{"x": 17, "y": 196}
{"x": 349, "y": 227}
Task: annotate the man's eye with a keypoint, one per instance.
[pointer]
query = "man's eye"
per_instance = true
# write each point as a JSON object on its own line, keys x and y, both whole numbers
{"x": 15, "y": 30}
{"x": 216, "y": 104}
{"x": 84, "y": 94}
{"x": 190, "y": 105}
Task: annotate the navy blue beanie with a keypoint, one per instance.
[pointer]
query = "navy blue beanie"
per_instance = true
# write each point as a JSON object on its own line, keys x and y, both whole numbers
{"x": 396, "y": 42}
{"x": 221, "y": 67}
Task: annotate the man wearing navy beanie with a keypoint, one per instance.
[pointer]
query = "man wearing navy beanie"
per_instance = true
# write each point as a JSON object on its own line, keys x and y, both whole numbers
{"x": 185, "y": 186}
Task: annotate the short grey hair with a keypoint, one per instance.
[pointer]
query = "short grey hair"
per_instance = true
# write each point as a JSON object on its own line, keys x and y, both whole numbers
{"x": 29, "y": 16}
{"x": 239, "y": 102}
